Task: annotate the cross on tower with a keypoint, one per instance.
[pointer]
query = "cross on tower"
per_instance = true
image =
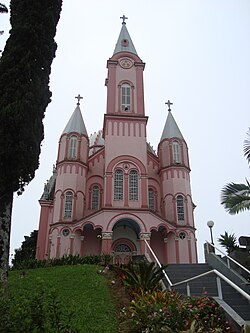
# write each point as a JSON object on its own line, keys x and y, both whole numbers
{"x": 78, "y": 99}
{"x": 123, "y": 19}
{"x": 169, "y": 103}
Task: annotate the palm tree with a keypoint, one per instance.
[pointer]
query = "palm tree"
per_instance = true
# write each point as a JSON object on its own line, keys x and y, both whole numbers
{"x": 236, "y": 197}
{"x": 142, "y": 276}
{"x": 3, "y": 8}
{"x": 229, "y": 242}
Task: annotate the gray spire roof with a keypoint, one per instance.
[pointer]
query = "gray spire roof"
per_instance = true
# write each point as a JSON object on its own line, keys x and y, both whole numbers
{"x": 171, "y": 130}
{"x": 76, "y": 123}
{"x": 124, "y": 42}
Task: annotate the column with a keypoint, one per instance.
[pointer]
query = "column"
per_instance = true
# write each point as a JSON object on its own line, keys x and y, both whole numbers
{"x": 108, "y": 191}
{"x": 165, "y": 239}
{"x": 144, "y": 236}
{"x": 71, "y": 244}
{"x": 107, "y": 242}
{"x": 126, "y": 190}
{"x": 58, "y": 246}
{"x": 81, "y": 246}
{"x": 177, "y": 250}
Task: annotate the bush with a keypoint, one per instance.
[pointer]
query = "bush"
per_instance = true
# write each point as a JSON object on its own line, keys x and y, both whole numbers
{"x": 65, "y": 260}
{"x": 36, "y": 312}
{"x": 141, "y": 276}
{"x": 168, "y": 311}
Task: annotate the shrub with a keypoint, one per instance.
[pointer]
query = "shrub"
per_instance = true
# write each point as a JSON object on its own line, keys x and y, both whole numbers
{"x": 207, "y": 313}
{"x": 36, "y": 312}
{"x": 141, "y": 276}
{"x": 168, "y": 311}
{"x": 65, "y": 260}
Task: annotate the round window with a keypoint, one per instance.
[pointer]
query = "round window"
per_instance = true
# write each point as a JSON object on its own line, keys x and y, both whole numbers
{"x": 65, "y": 232}
{"x": 182, "y": 235}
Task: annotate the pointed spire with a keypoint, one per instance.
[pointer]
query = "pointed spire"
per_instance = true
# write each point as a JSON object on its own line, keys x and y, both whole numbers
{"x": 124, "y": 42}
{"x": 171, "y": 129}
{"x": 76, "y": 123}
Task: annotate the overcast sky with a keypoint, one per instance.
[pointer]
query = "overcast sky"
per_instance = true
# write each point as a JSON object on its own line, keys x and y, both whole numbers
{"x": 197, "y": 54}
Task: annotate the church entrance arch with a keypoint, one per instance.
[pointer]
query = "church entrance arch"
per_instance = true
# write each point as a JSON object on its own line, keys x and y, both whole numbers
{"x": 125, "y": 240}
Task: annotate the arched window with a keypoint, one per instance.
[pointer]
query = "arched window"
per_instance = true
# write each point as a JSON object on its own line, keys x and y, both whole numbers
{"x": 180, "y": 208}
{"x": 73, "y": 147}
{"x": 151, "y": 199}
{"x": 133, "y": 185}
{"x": 126, "y": 97}
{"x": 118, "y": 185}
{"x": 95, "y": 197}
{"x": 68, "y": 204}
{"x": 176, "y": 152}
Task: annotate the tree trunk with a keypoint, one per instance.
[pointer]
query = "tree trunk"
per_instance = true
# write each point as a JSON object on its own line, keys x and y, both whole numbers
{"x": 5, "y": 224}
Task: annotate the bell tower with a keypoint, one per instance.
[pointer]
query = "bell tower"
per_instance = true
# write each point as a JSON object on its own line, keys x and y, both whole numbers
{"x": 125, "y": 119}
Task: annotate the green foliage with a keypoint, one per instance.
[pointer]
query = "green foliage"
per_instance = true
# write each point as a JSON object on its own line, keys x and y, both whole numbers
{"x": 59, "y": 299}
{"x": 142, "y": 276}
{"x": 158, "y": 311}
{"x": 29, "y": 263}
{"x": 246, "y": 147}
{"x": 24, "y": 84}
{"x": 38, "y": 311}
{"x": 3, "y": 8}
{"x": 229, "y": 242}
{"x": 236, "y": 197}
{"x": 27, "y": 250}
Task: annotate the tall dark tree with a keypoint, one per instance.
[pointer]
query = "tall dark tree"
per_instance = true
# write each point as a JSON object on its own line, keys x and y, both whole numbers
{"x": 27, "y": 250}
{"x": 24, "y": 84}
{"x": 236, "y": 197}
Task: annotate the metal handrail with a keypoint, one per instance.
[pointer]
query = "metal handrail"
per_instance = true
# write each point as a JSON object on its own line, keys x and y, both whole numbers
{"x": 219, "y": 276}
{"x": 158, "y": 263}
{"x": 242, "y": 292}
{"x": 228, "y": 257}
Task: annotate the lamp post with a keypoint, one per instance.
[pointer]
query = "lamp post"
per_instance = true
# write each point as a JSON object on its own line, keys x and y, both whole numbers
{"x": 210, "y": 225}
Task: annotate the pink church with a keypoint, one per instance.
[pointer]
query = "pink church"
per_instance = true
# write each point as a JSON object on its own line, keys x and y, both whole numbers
{"x": 111, "y": 191}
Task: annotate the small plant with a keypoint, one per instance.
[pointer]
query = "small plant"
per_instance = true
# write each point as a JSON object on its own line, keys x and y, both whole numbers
{"x": 142, "y": 276}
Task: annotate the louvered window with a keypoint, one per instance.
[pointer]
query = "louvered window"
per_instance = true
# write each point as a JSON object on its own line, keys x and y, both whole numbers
{"x": 176, "y": 152}
{"x": 68, "y": 204}
{"x": 133, "y": 185}
{"x": 73, "y": 147}
{"x": 126, "y": 97}
{"x": 95, "y": 197}
{"x": 151, "y": 199}
{"x": 118, "y": 185}
{"x": 180, "y": 208}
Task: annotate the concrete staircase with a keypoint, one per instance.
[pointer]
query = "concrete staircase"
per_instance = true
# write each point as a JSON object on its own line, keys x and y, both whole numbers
{"x": 232, "y": 301}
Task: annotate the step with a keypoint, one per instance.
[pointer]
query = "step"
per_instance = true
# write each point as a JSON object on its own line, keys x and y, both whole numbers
{"x": 207, "y": 284}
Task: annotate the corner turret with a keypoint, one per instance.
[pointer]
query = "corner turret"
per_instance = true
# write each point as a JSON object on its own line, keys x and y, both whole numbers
{"x": 172, "y": 149}
{"x": 174, "y": 174}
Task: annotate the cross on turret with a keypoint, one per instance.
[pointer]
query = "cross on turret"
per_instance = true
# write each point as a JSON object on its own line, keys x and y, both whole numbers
{"x": 78, "y": 99}
{"x": 169, "y": 103}
{"x": 123, "y": 19}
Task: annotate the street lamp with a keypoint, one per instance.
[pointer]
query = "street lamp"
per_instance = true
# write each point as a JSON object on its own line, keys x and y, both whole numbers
{"x": 210, "y": 225}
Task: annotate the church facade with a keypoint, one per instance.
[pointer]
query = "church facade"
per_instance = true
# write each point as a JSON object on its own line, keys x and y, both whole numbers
{"x": 111, "y": 191}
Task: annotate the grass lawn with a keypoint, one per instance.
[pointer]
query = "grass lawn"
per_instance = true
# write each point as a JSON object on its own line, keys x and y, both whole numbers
{"x": 82, "y": 292}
